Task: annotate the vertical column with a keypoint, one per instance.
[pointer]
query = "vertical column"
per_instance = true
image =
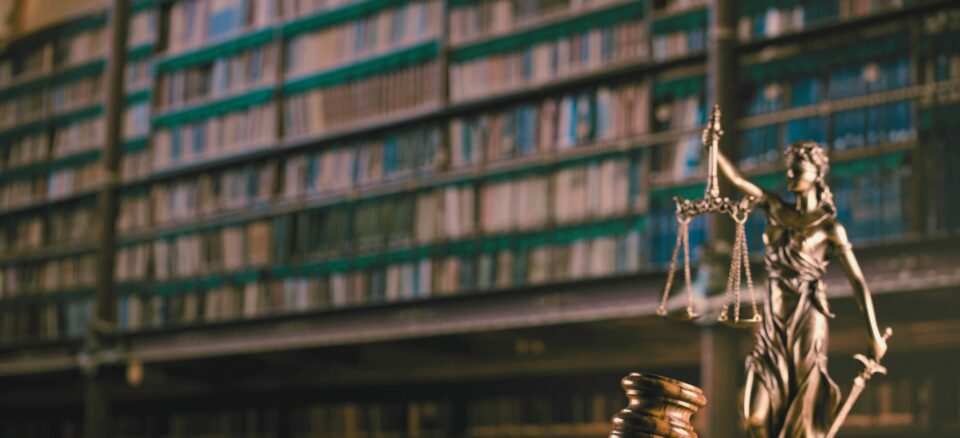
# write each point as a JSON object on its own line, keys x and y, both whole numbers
{"x": 721, "y": 365}
{"x": 102, "y": 328}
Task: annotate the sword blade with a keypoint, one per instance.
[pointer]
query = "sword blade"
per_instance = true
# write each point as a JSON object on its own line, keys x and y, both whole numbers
{"x": 858, "y": 384}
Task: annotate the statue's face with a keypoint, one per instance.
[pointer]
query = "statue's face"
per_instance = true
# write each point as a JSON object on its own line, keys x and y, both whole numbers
{"x": 801, "y": 176}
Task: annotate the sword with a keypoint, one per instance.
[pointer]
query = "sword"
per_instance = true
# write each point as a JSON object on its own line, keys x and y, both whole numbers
{"x": 870, "y": 367}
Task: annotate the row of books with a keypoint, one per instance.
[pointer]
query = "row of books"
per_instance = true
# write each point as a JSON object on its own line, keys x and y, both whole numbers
{"x": 132, "y": 262}
{"x": 143, "y": 28}
{"x": 404, "y": 153}
{"x": 677, "y": 160}
{"x": 686, "y": 112}
{"x": 135, "y": 165}
{"x": 82, "y": 178}
{"x": 22, "y": 234}
{"x": 874, "y": 125}
{"x": 88, "y": 45}
{"x": 22, "y": 109}
{"x": 225, "y": 249}
{"x": 41, "y": 427}
{"x": 856, "y": 80}
{"x": 873, "y": 204}
{"x": 47, "y": 276}
{"x": 680, "y": 43}
{"x": 215, "y": 136}
{"x": 71, "y": 225}
{"x": 245, "y": 70}
{"x": 26, "y": 64}
{"x": 23, "y": 151}
{"x": 447, "y": 212}
{"x": 474, "y": 20}
{"x": 373, "y": 34}
{"x": 79, "y": 136}
{"x": 572, "y": 120}
{"x": 139, "y": 74}
{"x": 208, "y": 422}
{"x": 788, "y": 17}
{"x": 416, "y": 278}
{"x": 871, "y": 126}
{"x": 486, "y": 415}
{"x": 516, "y": 204}
{"x": 302, "y": 8}
{"x": 676, "y": 6}
{"x": 22, "y": 192}
{"x": 136, "y": 120}
{"x": 193, "y": 23}
{"x": 134, "y": 213}
{"x": 324, "y": 109}
{"x": 53, "y": 320}
{"x": 565, "y": 56}
{"x": 409, "y": 419}
{"x": 213, "y": 192}
{"x": 77, "y": 94}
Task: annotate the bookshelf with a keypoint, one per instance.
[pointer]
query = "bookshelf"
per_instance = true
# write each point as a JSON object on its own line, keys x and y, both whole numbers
{"x": 348, "y": 160}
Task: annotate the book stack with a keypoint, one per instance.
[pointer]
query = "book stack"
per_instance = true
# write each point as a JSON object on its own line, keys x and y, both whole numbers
{"x": 514, "y": 204}
{"x": 134, "y": 213}
{"x": 139, "y": 72}
{"x": 244, "y": 129}
{"x": 135, "y": 165}
{"x": 762, "y": 20}
{"x": 24, "y": 64}
{"x": 132, "y": 262}
{"x": 81, "y": 178}
{"x": 22, "y": 109}
{"x": 573, "y": 414}
{"x": 561, "y": 123}
{"x": 23, "y": 151}
{"x": 143, "y": 28}
{"x": 472, "y": 20}
{"x": 543, "y": 59}
{"x": 679, "y": 35}
{"x": 344, "y": 104}
{"x": 71, "y": 225}
{"x": 193, "y": 23}
{"x": 22, "y": 192}
{"x": 376, "y": 33}
{"x": 445, "y": 213}
{"x": 22, "y": 234}
{"x": 136, "y": 121}
{"x": 302, "y": 8}
{"x": 88, "y": 45}
{"x": 400, "y": 154}
{"x": 203, "y": 195}
{"x": 244, "y": 70}
{"x": 595, "y": 190}
{"x": 77, "y": 137}
{"x": 74, "y": 95}
{"x": 229, "y": 248}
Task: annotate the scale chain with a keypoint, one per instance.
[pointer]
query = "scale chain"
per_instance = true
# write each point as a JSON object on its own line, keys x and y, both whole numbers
{"x": 746, "y": 257}
{"x": 681, "y": 230}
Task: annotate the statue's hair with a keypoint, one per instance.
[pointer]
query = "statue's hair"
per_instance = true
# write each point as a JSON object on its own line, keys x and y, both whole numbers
{"x": 813, "y": 153}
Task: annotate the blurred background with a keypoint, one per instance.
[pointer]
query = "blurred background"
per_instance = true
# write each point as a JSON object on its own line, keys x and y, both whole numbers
{"x": 448, "y": 218}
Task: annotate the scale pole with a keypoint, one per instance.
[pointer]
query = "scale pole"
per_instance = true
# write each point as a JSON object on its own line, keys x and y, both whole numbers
{"x": 711, "y": 139}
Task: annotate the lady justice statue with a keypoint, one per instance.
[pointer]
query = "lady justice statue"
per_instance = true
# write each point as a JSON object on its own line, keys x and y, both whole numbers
{"x": 788, "y": 391}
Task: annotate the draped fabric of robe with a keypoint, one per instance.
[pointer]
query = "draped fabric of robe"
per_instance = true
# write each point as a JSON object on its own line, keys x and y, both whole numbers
{"x": 790, "y": 356}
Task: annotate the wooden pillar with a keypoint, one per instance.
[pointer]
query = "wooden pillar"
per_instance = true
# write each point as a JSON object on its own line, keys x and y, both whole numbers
{"x": 101, "y": 331}
{"x": 721, "y": 364}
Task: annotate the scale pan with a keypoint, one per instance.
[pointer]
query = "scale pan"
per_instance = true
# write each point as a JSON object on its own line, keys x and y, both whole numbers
{"x": 741, "y": 323}
{"x": 685, "y": 315}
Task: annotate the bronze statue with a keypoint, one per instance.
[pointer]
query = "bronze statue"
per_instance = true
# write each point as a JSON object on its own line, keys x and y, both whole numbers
{"x": 788, "y": 391}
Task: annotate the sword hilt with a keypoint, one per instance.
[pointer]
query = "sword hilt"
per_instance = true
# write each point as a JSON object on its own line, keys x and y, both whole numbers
{"x": 872, "y": 365}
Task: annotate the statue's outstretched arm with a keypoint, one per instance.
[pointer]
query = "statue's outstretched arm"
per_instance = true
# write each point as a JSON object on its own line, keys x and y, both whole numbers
{"x": 732, "y": 174}
{"x": 878, "y": 347}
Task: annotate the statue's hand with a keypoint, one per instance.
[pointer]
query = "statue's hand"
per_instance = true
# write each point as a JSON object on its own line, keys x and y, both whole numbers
{"x": 878, "y": 345}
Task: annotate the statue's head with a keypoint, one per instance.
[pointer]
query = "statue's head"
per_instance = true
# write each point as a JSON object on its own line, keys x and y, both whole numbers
{"x": 807, "y": 167}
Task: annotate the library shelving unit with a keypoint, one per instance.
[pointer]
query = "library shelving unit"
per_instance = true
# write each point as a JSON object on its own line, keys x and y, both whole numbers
{"x": 446, "y": 218}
